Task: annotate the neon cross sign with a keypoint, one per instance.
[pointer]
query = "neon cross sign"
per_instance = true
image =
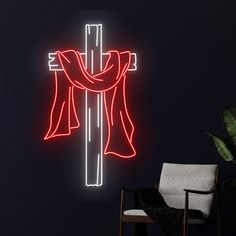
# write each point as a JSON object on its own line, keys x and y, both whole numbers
{"x": 101, "y": 76}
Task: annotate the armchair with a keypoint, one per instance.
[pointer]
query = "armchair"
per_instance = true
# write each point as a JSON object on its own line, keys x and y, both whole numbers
{"x": 183, "y": 186}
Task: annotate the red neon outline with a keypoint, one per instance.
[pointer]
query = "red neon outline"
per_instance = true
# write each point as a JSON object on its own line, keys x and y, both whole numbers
{"x": 71, "y": 93}
{"x": 127, "y": 113}
{"x": 129, "y": 137}
{"x": 58, "y": 122}
{"x": 94, "y": 80}
{"x": 52, "y": 109}
{"x": 61, "y": 54}
{"x": 108, "y": 125}
{"x": 130, "y": 141}
{"x": 74, "y": 110}
{"x": 69, "y": 98}
{"x": 112, "y": 104}
{"x": 90, "y": 78}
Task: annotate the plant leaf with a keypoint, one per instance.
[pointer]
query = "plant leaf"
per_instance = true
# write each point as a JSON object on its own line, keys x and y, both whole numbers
{"x": 233, "y": 139}
{"x": 222, "y": 148}
{"x": 229, "y": 118}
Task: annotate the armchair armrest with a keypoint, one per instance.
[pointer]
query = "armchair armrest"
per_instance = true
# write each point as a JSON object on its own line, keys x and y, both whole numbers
{"x": 186, "y": 208}
{"x": 122, "y": 197}
{"x": 129, "y": 190}
{"x": 199, "y": 191}
{"x": 187, "y": 191}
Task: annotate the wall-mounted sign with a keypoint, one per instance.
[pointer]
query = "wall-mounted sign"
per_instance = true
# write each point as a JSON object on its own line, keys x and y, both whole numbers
{"x": 101, "y": 77}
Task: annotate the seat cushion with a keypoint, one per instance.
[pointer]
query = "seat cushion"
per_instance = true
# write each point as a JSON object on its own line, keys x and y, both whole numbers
{"x": 138, "y": 212}
{"x": 177, "y": 177}
{"x": 135, "y": 212}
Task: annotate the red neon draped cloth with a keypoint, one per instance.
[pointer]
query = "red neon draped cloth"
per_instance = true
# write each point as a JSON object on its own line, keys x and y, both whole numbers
{"x": 111, "y": 82}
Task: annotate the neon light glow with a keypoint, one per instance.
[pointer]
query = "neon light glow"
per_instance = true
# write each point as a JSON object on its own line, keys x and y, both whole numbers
{"x": 101, "y": 75}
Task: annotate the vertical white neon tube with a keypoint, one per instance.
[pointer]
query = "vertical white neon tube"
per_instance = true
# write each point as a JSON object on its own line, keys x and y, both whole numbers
{"x": 89, "y": 124}
{"x": 86, "y": 138}
{"x": 101, "y": 150}
{"x": 92, "y": 62}
{"x": 86, "y": 115}
{"x": 98, "y": 168}
{"x": 89, "y": 64}
{"x": 101, "y": 110}
{"x": 86, "y": 45}
{"x": 100, "y": 25}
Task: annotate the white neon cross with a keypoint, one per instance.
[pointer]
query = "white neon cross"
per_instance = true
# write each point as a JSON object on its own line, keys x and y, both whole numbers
{"x": 88, "y": 56}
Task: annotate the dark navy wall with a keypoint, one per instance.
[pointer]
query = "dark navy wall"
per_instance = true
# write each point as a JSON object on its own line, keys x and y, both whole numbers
{"x": 186, "y": 75}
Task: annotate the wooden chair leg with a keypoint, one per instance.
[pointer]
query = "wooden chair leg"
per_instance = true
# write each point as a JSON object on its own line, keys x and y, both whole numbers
{"x": 219, "y": 224}
{"x": 185, "y": 230}
{"x": 121, "y": 213}
{"x": 121, "y": 229}
{"x": 218, "y": 214}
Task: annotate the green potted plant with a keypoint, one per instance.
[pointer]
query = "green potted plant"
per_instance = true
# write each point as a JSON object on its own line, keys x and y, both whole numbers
{"x": 226, "y": 145}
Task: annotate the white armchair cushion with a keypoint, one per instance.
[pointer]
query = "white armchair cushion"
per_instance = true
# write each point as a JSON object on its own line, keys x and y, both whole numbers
{"x": 135, "y": 212}
{"x": 177, "y": 177}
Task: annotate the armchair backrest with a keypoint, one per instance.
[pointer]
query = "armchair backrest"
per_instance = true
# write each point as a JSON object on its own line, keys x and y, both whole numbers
{"x": 176, "y": 177}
